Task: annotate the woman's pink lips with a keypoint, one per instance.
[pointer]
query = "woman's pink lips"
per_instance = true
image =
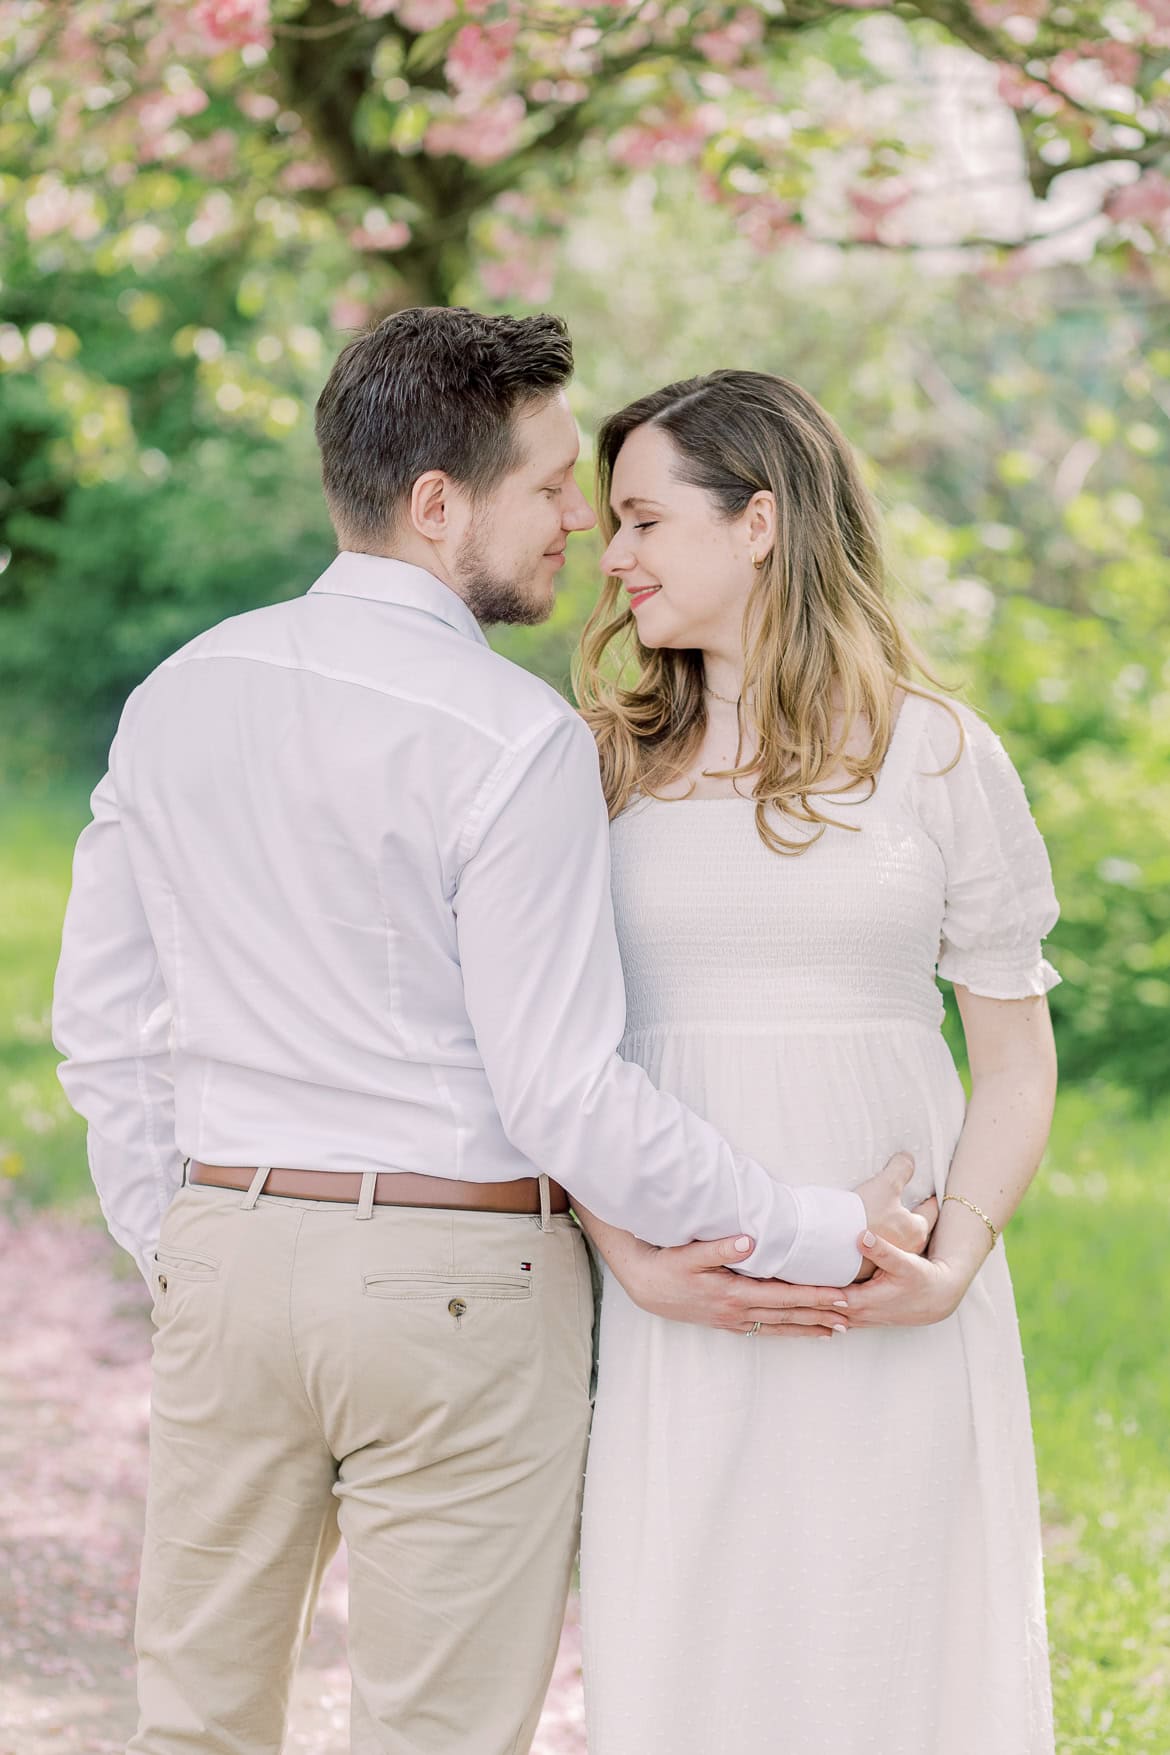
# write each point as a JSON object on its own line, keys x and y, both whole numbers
{"x": 637, "y": 597}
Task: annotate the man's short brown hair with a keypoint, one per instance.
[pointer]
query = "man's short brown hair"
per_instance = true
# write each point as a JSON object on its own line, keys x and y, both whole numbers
{"x": 430, "y": 388}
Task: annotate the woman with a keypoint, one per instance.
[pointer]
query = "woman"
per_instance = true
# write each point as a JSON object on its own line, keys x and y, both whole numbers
{"x": 834, "y": 1548}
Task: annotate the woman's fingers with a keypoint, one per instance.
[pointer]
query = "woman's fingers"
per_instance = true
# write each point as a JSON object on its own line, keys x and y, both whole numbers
{"x": 886, "y": 1256}
{"x": 702, "y": 1257}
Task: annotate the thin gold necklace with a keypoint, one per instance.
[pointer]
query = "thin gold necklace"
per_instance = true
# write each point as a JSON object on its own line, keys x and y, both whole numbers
{"x": 726, "y": 699}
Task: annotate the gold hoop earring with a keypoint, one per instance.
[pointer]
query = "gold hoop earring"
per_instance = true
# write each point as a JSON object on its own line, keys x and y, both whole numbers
{"x": 762, "y": 562}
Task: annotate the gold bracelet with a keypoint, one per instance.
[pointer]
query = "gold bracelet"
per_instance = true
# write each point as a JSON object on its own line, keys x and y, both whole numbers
{"x": 978, "y": 1211}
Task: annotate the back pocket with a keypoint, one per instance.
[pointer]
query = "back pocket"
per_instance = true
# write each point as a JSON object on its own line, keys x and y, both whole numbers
{"x": 434, "y": 1283}
{"x": 172, "y": 1265}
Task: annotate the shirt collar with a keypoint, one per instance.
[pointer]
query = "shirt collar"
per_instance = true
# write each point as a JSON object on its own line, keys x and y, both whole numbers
{"x": 390, "y": 581}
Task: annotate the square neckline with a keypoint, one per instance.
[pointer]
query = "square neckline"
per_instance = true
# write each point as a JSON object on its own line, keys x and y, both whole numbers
{"x": 881, "y": 782}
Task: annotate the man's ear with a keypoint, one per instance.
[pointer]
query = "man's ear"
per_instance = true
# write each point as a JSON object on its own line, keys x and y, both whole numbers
{"x": 429, "y": 511}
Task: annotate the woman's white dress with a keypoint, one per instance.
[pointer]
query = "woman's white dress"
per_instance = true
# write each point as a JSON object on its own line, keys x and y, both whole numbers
{"x": 822, "y": 1547}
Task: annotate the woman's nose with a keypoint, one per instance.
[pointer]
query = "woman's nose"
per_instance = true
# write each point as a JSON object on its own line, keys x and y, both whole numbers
{"x": 617, "y": 558}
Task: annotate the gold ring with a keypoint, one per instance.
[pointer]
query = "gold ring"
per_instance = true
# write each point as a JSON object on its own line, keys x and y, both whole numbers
{"x": 754, "y": 1329}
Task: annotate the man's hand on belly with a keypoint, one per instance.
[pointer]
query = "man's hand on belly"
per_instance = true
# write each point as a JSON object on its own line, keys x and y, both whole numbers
{"x": 888, "y": 1218}
{"x": 695, "y": 1283}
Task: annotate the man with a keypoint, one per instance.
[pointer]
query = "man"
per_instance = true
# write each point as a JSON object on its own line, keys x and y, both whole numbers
{"x": 340, "y": 936}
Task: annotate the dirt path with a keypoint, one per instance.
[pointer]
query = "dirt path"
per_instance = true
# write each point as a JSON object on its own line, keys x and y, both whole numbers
{"x": 73, "y": 1410}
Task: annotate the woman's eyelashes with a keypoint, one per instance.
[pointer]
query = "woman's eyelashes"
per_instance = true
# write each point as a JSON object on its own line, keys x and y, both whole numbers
{"x": 649, "y": 524}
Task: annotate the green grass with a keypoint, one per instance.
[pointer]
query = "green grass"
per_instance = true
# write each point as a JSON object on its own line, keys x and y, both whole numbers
{"x": 42, "y": 1143}
{"x": 1088, "y": 1254}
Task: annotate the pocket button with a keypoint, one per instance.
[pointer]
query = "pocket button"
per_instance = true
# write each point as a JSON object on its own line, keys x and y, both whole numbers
{"x": 162, "y": 1282}
{"x": 458, "y": 1308}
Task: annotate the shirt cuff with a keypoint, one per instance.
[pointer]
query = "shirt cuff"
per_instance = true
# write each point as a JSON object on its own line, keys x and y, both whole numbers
{"x": 830, "y": 1220}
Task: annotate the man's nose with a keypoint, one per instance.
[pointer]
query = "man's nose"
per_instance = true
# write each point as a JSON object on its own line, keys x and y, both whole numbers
{"x": 577, "y": 513}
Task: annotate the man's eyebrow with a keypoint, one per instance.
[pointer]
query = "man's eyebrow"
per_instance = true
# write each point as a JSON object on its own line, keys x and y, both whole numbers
{"x": 563, "y": 468}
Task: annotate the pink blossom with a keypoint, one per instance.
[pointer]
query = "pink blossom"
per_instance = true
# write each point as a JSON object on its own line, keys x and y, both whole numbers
{"x": 306, "y": 173}
{"x": 1016, "y": 89}
{"x": 79, "y": 50}
{"x": 757, "y": 81}
{"x": 214, "y": 157}
{"x": 376, "y": 8}
{"x": 349, "y": 313}
{"x": 258, "y": 106}
{"x": 728, "y": 45}
{"x": 483, "y": 136}
{"x": 479, "y": 55}
{"x": 764, "y": 220}
{"x": 1158, "y": 12}
{"x": 233, "y": 24}
{"x": 1147, "y": 201}
{"x": 994, "y": 12}
{"x": 1120, "y": 61}
{"x": 514, "y": 205}
{"x": 558, "y": 91}
{"x": 528, "y": 279}
{"x": 873, "y": 208}
{"x": 380, "y": 233}
{"x": 163, "y": 109}
{"x": 421, "y": 15}
{"x": 52, "y": 208}
{"x": 676, "y": 142}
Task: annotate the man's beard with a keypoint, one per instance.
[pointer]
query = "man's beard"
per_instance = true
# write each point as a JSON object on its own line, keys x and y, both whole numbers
{"x": 491, "y": 598}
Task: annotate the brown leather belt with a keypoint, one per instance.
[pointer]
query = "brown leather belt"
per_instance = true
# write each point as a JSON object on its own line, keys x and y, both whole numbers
{"x": 392, "y": 1188}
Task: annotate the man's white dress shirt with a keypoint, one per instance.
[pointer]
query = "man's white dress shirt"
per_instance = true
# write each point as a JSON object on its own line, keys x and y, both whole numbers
{"x": 344, "y": 904}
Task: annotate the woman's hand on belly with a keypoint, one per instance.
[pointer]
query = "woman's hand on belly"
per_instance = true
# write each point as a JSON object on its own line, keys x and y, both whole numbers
{"x": 906, "y": 1290}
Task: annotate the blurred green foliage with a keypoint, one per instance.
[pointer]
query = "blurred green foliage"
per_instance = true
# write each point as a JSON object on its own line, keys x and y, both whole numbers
{"x": 157, "y": 473}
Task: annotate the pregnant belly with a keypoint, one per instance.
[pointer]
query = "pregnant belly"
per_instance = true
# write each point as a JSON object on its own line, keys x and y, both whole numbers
{"x": 823, "y": 1107}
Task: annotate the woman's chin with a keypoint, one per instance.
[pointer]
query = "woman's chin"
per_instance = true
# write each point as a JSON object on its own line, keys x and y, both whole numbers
{"x": 655, "y": 630}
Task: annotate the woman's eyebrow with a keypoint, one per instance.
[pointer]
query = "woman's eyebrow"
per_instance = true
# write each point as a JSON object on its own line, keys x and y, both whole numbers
{"x": 636, "y": 500}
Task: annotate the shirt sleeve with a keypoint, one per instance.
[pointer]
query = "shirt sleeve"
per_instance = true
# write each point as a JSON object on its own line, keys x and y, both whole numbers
{"x": 1000, "y": 903}
{"x": 111, "y": 1020}
{"x": 545, "y": 994}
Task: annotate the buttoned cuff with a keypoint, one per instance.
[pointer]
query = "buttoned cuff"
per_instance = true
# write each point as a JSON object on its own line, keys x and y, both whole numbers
{"x": 830, "y": 1220}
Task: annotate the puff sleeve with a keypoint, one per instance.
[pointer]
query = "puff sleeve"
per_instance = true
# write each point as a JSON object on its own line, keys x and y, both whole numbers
{"x": 1000, "y": 903}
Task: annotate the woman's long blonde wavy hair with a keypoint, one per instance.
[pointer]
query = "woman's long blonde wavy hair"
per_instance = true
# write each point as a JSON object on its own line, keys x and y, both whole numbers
{"x": 823, "y": 651}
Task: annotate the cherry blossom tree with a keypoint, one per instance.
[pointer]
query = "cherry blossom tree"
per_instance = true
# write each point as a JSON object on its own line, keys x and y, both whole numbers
{"x": 431, "y": 131}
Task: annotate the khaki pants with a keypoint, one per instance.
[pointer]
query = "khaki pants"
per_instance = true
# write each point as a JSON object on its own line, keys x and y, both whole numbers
{"x": 417, "y": 1383}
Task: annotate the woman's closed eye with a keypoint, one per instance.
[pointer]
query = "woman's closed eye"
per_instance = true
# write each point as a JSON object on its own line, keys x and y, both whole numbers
{"x": 649, "y": 524}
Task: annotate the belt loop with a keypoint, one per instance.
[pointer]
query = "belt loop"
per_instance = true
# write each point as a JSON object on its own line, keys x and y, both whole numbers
{"x": 365, "y": 1206}
{"x": 545, "y": 1205}
{"x": 255, "y": 1188}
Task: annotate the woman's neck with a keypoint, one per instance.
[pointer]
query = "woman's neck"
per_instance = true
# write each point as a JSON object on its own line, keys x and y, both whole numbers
{"x": 723, "y": 676}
